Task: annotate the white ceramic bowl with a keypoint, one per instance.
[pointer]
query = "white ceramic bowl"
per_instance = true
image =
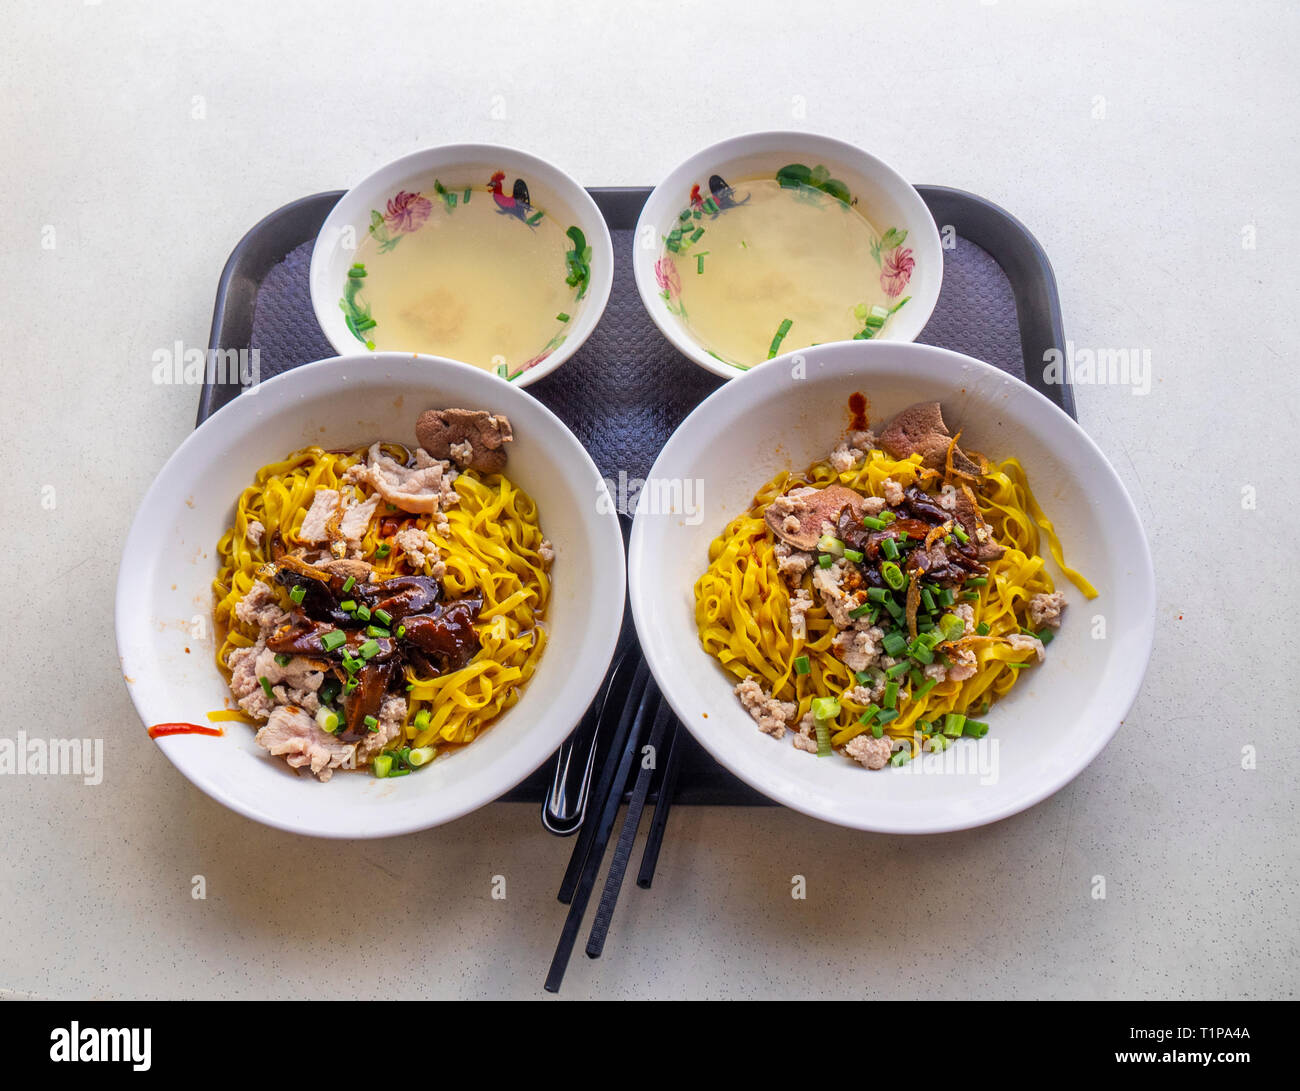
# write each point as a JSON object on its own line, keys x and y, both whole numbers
{"x": 550, "y": 190}
{"x": 1055, "y": 720}
{"x": 886, "y": 198}
{"x": 164, "y": 592}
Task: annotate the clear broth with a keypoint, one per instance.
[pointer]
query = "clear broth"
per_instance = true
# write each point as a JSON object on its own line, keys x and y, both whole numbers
{"x": 472, "y": 282}
{"x": 794, "y": 254}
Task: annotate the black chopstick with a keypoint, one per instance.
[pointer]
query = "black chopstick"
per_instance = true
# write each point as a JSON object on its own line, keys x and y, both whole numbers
{"x": 667, "y": 786}
{"x": 626, "y": 838}
{"x": 627, "y": 741}
{"x": 582, "y": 847}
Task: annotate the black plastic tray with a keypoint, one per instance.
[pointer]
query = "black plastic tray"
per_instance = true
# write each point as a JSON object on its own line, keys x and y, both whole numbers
{"x": 1005, "y": 269}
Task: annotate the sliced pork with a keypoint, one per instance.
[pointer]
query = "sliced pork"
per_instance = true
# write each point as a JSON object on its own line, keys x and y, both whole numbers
{"x": 293, "y": 735}
{"x": 422, "y": 488}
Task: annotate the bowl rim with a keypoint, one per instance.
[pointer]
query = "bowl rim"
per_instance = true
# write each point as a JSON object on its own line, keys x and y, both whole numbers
{"x": 814, "y": 803}
{"x": 417, "y": 162}
{"x": 676, "y": 333}
{"x": 606, "y": 618}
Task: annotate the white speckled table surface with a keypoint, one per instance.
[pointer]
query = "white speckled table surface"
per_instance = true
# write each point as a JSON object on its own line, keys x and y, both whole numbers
{"x": 1151, "y": 151}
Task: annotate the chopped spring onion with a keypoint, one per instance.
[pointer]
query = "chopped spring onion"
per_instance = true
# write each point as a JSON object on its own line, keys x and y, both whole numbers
{"x": 825, "y": 560}
{"x": 1045, "y": 636}
{"x": 877, "y": 594}
{"x": 921, "y": 653}
{"x": 869, "y": 714}
{"x": 983, "y": 629}
{"x": 946, "y": 597}
{"x": 363, "y": 612}
{"x": 939, "y": 743}
{"x": 383, "y": 765}
{"x": 978, "y": 581}
{"x": 901, "y": 758}
{"x": 801, "y": 665}
{"x": 266, "y": 687}
{"x": 871, "y": 522}
{"x": 421, "y": 755}
{"x": 893, "y": 575}
{"x": 886, "y": 715}
{"x": 383, "y": 617}
{"x": 383, "y": 549}
{"x": 828, "y": 543}
{"x": 282, "y": 660}
{"x": 421, "y": 719}
{"x": 823, "y": 738}
{"x": 562, "y": 317}
{"x": 781, "y": 331}
{"x": 327, "y": 719}
{"x": 951, "y": 626}
{"x": 298, "y": 593}
{"x": 825, "y": 708}
{"x": 889, "y": 548}
{"x": 891, "y": 695}
{"x": 894, "y": 644}
{"x": 369, "y": 649}
{"x": 860, "y": 611}
{"x": 333, "y": 639}
{"x": 953, "y": 724}
{"x": 329, "y": 689}
{"x": 925, "y": 688}
{"x": 865, "y": 678}
{"x": 348, "y": 605}
{"x": 377, "y": 630}
{"x": 371, "y": 723}
{"x": 401, "y": 632}
{"x": 927, "y": 600}
{"x": 962, "y": 536}
{"x": 976, "y": 729}
{"x": 349, "y": 583}
{"x": 887, "y": 516}
{"x": 901, "y": 667}
{"x": 852, "y": 555}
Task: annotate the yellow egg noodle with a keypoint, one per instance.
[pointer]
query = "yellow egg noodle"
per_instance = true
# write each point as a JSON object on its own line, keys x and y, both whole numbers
{"x": 491, "y": 549}
{"x": 742, "y": 605}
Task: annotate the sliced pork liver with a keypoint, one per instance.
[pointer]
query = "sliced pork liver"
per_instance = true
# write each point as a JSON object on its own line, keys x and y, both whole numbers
{"x": 799, "y": 517}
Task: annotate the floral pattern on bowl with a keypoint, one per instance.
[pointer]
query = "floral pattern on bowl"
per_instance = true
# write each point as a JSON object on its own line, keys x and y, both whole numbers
{"x": 670, "y": 286}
